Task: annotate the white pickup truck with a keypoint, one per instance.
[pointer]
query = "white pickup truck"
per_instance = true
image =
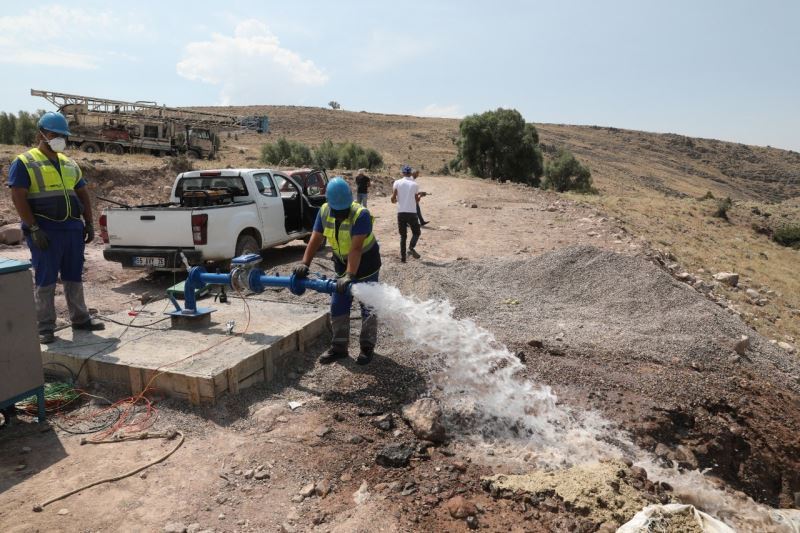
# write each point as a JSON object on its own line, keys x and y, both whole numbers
{"x": 214, "y": 215}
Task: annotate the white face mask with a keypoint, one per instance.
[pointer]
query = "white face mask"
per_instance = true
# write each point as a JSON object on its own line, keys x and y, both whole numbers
{"x": 57, "y": 144}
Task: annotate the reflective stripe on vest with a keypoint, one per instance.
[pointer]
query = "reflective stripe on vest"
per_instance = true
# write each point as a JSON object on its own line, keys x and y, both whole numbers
{"x": 51, "y": 194}
{"x": 341, "y": 245}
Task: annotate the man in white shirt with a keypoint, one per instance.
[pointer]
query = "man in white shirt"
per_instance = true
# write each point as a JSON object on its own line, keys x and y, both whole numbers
{"x": 405, "y": 193}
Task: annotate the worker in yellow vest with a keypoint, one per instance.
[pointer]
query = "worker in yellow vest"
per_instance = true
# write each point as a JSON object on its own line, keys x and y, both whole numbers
{"x": 49, "y": 194}
{"x": 356, "y": 258}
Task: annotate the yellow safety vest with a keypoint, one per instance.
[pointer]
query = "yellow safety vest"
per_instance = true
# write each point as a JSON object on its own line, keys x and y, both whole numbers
{"x": 51, "y": 194}
{"x": 341, "y": 243}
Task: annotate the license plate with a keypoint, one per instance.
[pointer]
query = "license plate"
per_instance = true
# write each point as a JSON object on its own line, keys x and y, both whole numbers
{"x": 149, "y": 261}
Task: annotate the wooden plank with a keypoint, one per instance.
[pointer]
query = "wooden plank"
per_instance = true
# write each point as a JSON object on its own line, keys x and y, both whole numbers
{"x": 233, "y": 380}
{"x": 207, "y": 392}
{"x": 194, "y": 391}
{"x": 249, "y": 381}
{"x": 136, "y": 382}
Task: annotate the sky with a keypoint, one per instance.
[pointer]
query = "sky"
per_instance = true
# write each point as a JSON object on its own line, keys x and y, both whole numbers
{"x": 719, "y": 69}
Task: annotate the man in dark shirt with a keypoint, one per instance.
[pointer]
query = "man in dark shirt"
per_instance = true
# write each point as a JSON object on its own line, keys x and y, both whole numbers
{"x": 362, "y": 184}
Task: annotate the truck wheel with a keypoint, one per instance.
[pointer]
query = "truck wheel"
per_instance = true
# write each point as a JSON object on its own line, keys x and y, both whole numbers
{"x": 247, "y": 244}
{"x": 115, "y": 149}
{"x": 90, "y": 148}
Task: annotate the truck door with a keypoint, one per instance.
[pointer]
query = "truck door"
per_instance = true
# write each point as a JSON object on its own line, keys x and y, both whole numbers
{"x": 270, "y": 208}
{"x": 313, "y": 197}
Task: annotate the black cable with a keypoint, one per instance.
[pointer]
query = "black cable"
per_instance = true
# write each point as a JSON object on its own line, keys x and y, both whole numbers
{"x": 131, "y": 325}
{"x": 71, "y": 373}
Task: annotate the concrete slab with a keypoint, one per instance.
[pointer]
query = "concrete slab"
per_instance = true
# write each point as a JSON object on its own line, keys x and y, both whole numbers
{"x": 198, "y": 365}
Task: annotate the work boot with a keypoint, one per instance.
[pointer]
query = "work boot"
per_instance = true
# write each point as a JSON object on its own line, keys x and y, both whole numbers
{"x": 332, "y": 355}
{"x": 413, "y": 253}
{"x": 90, "y": 325}
{"x": 46, "y": 337}
{"x": 365, "y": 356}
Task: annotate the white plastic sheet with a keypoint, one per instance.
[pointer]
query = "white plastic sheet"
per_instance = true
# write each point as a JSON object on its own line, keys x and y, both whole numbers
{"x": 652, "y": 517}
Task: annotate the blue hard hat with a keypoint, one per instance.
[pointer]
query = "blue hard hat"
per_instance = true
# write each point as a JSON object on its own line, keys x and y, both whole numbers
{"x": 55, "y": 122}
{"x": 406, "y": 169}
{"x": 338, "y": 193}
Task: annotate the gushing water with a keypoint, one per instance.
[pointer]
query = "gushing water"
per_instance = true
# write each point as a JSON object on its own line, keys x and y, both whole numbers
{"x": 484, "y": 394}
{"x": 480, "y": 384}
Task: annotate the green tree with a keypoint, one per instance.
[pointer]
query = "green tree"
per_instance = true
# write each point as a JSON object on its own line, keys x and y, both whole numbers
{"x": 326, "y": 155}
{"x": 25, "y": 131}
{"x": 565, "y": 173}
{"x": 352, "y": 155}
{"x": 500, "y": 145}
{"x": 285, "y": 152}
{"x": 7, "y": 126}
{"x": 374, "y": 159}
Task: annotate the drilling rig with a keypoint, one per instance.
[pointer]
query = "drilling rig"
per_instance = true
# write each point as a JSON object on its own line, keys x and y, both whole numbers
{"x": 118, "y": 127}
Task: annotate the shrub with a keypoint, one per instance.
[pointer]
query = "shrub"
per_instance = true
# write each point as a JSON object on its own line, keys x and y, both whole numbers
{"x": 374, "y": 159}
{"x": 707, "y": 196}
{"x": 180, "y": 163}
{"x": 326, "y": 155}
{"x": 788, "y": 236}
{"x": 334, "y": 104}
{"x": 285, "y": 152}
{"x": 565, "y": 173}
{"x": 723, "y": 206}
{"x": 352, "y": 156}
{"x": 500, "y": 145}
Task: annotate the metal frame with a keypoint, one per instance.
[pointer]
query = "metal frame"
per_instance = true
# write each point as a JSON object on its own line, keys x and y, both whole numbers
{"x": 38, "y": 392}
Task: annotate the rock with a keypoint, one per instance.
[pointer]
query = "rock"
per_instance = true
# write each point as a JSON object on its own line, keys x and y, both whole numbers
{"x": 221, "y": 516}
{"x": 249, "y": 473}
{"x": 26, "y": 449}
{"x": 742, "y": 345}
{"x": 425, "y": 418}
{"x": 362, "y": 494}
{"x": 728, "y": 278}
{"x": 221, "y": 498}
{"x": 786, "y": 346}
{"x": 536, "y": 343}
{"x": 383, "y": 422}
{"x": 261, "y": 474}
{"x": 460, "y": 507}
{"x": 355, "y": 439}
{"x": 322, "y": 431}
{"x": 685, "y": 276}
{"x": 323, "y": 488}
{"x": 639, "y": 472}
{"x": 472, "y": 522}
{"x": 395, "y": 455}
{"x": 65, "y": 511}
{"x": 344, "y": 478}
{"x": 685, "y": 457}
{"x": 752, "y": 293}
{"x": 194, "y": 528}
{"x": 662, "y": 450}
{"x": 175, "y": 527}
{"x": 474, "y": 206}
{"x": 281, "y": 418}
{"x": 297, "y": 498}
{"x": 339, "y": 417}
{"x": 11, "y": 234}
{"x": 20, "y": 467}
{"x": 288, "y": 528}
{"x": 307, "y": 490}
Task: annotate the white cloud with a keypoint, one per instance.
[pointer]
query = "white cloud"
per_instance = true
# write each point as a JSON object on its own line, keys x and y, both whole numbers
{"x": 250, "y": 65}
{"x": 441, "y": 111}
{"x": 55, "y": 35}
{"x": 386, "y": 50}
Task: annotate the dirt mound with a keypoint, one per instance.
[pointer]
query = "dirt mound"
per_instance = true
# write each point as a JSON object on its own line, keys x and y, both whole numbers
{"x": 605, "y": 493}
{"x": 617, "y": 333}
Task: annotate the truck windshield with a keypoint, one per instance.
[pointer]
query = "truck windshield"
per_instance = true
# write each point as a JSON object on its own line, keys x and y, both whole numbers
{"x": 234, "y": 184}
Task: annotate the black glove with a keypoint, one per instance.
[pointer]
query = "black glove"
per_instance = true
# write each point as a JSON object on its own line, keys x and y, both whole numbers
{"x": 343, "y": 283}
{"x": 88, "y": 233}
{"x": 39, "y": 237}
{"x": 301, "y": 270}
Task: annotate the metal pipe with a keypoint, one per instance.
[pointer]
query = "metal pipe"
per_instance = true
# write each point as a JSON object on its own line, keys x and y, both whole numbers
{"x": 257, "y": 282}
